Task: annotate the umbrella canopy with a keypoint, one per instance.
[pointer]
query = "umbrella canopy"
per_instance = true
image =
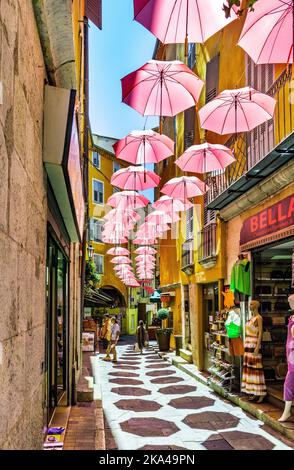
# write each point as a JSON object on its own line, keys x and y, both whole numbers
{"x": 158, "y": 218}
{"x": 178, "y": 21}
{"x": 145, "y": 250}
{"x": 267, "y": 35}
{"x": 205, "y": 158}
{"x": 141, "y": 147}
{"x": 161, "y": 88}
{"x": 135, "y": 178}
{"x": 122, "y": 214}
{"x": 127, "y": 199}
{"x": 170, "y": 204}
{"x": 239, "y": 110}
{"x": 118, "y": 251}
{"x": 145, "y": 258}
{"x": 121, "y": 260}
{"x": 145, "y": 241}
{"x": 114, "y": 239}
{"x": 184, "y": 187}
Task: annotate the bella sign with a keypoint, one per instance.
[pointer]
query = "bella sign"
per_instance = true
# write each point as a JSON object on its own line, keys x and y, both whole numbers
{"x": 271, "y": 220}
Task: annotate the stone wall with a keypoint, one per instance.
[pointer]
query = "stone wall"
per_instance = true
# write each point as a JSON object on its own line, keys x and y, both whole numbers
{"x": 23, "y": 215}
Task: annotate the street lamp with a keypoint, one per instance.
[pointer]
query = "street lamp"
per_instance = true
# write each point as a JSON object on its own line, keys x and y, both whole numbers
{"x": 90, "y": 251}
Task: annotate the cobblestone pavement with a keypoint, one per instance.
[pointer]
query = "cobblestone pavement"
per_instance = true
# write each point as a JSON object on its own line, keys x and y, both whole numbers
{"x": 149, "y": 404}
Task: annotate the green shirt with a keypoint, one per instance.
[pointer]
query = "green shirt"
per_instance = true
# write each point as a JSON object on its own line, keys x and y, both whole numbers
{"x": 240, "y": 277}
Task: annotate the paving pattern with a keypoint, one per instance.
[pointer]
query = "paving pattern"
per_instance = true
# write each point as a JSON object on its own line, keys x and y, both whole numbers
{"x": 150, "y": 404}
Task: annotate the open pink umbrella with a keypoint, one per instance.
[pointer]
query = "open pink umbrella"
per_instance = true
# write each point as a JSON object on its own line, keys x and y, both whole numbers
{"x": 205, "y": 158}
{"x": 182, "y": 21}
{"x": 144, "y": 241}
{"x": 118, "y": 251}
{"x": 161, "y": 88}
{"x": 122, "y": 214}
{"x": 158, "y": 217}
{"x": 184, "y": 187}
{"x": 114, "y": 239}
{"x": 145, "y": 250}
{"x": 119, "y": 268}
{"x": 145, "y": 258}
{"x": 234, "y": 111}
{"x": 135, "y": 178}
{"x": 121, "y": 260}
{"x": 267, "y": 35}
{"x": 129, "y": 199}
{"x": 170, "y": 204}
{"x": 141, "y": 147}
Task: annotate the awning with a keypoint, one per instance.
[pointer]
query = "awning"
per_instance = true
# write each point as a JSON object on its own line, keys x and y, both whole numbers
{"x": 97, "y": 298}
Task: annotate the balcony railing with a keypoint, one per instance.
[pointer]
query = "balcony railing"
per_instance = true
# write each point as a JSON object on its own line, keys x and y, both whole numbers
{"x": 250, "y": 148}
{"x": 187, "y": 253}
{"x": 207, "y": 247}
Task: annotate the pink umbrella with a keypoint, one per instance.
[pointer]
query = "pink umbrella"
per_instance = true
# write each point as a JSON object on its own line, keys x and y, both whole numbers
{"x": 114, "y": 239}
{"x": 145, "y": 258}
{"x": 184, "y": 187}
{"x": 140, "y": 147}
{"x": 267, "y": 34}
{"x": 135, "y": 178}
{"x": 178, "y": 21}
{"x": 145, "y": 250}
{"x": 132, "y": 283}
{"x": 144, "y": 241}
{"x": 170, "y": 204}
{"x": 118, "y": 251}
{"x": 121, "y": 267}
{"x": 130, "y": 199}
{"x": 161, "y": 88}
{"x": 119, "y": 214}
{"x": 205, "y": 158}
{"x": 158, "y": 217}
{"x": 121, "y": 260}
{"x": 234, "y": 111}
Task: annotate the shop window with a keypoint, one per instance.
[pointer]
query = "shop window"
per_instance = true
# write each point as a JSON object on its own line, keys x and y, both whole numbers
{"x": 96, "y": 230}
{"x": 96, "y": 159}
{"x": 99, "y": 263}
{"x": 98, "y": 192}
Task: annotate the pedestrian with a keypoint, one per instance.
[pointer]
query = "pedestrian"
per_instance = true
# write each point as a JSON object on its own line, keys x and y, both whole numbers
{"x": 141, "y": 336}
{"x": 115, "y": 331}
{"x": 106, "y": 336}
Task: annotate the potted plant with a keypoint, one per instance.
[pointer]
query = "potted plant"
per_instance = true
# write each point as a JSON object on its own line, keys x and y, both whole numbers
{"x": 163, "y": 334}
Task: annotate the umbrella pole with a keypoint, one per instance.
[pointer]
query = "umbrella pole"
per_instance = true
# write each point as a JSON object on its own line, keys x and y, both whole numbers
{"x": 160, "y": 119}
{"x": 187, "y": 25}
{"x": 144, "y": 143}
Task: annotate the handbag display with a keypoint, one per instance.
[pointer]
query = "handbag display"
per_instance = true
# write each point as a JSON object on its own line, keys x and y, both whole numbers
{"x": 266, "y": 336}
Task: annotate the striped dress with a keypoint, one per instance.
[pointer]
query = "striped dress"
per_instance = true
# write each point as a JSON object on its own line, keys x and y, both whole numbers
{"x": 253, "y": 381}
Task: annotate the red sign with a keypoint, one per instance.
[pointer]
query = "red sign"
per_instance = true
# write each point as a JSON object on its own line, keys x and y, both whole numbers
{"x": 273, "y": 219}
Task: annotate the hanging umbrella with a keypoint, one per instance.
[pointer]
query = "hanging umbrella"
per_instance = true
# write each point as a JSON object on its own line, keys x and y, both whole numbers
{"x": 141, "y": 147}
{"x": 234, "y": 111}
{"x": 145, "y": 241}
{"x": 129, "y": 199}
{"x": 161, "y": 88}
{"x": 145, "y": 258}
{"x": 121, "y": 260}
{"x": 182, "y": 21}
{"x": 184, "y": 187}
{"x": 121, "y": 267}
{"x": 170, "y": 204}
{"x": 145, "y": 250}
{"x": 268, "y": 32}
{"x": 122, "y": 214}
{"x": 135, "y": 178}
{"x": 114, "y": 239}
{"x": 158, "y": 217}
{"x": 118, "y": 251}
{"x": 205, "y": 158}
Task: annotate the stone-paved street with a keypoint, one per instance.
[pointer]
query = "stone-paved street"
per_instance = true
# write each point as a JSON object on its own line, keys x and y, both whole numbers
{"x": 150, "y": 404}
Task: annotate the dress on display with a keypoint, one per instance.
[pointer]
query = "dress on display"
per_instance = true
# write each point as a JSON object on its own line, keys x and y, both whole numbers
{"x": 289, "y": 381}
{"x": 253, "y": 381}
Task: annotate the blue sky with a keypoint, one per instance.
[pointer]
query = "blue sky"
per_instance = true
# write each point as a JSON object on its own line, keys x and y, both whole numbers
{"x": 121, "y": 47}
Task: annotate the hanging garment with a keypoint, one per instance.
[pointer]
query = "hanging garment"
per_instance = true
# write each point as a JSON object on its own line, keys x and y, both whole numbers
{"x": 236, "y": 347}
{"x": 289, "y": 382}
{"x": 233, "y": 324}
{"x": 240, "y": 277}
{"x": 253, "y": 381}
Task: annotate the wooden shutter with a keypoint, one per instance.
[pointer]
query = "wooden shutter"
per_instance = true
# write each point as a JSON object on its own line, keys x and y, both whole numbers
{"x": 189, "y": 223}
{"x": 93, "y": 11}
{"x": 212, "y": 78}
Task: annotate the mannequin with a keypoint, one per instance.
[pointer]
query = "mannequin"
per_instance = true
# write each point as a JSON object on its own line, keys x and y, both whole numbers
{"x": 289, "y": 381}
{"x": 253, "y": 381}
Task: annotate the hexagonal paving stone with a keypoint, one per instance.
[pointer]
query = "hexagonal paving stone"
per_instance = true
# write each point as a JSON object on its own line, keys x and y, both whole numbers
{"x": 131, "y": 391}
{"x": 212, "y": 421}
{"x": 126, "y": 363}
{"x": 126, "y": 367}
{"x": 216, "y": 442}
{"x": 246, "y": 441}
{"x": 158, "y": 366}
{"x": 167, "y": 380}
{"x": 194, "y": 403}
{"x": 177, "y": 389}
{"x": 123, "y": 374}
{"x": 126, "y": 381}
{"x": 163, "y": 447}
{"x": 160, "y": 373}
{"x": 138, "y": 405}
{"x": 149, "y": 427}
{"x": 153, "y": 356}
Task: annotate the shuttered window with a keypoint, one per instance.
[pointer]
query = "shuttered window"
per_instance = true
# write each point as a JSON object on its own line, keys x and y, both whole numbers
{"x": 98, "y": 192}
{"x": 96, "y": 230}
{"x": 212, "y": 78}
{"x": 189, "y": 223}
{"x": 99, "y": 263}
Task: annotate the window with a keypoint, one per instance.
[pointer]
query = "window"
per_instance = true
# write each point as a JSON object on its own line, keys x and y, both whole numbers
{"x": 115, "y": 190}
{"x": 96, "y": 159}
{"x": 96, "y": 230}
{"x": 116, "y": 166}
{"x": 212, "y": 78}
{"x": 99, "y": 263}
{"x": 189, "y": 223}
{"x": 98, "y": 192}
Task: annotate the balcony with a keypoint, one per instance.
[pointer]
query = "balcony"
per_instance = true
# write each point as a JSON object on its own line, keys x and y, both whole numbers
{"x": 258, "y": 153}
{"x": 207, "y": 247}
{"x": 188, "y": 257}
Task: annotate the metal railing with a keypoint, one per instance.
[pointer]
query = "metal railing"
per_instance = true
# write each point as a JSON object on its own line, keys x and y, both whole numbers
{"x": 207, "y": 246}
{"x": 187, "y": 253}
{"x": 250, "y": 148}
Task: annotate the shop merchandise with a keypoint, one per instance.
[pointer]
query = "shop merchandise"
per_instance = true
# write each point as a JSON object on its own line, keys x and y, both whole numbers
{"x": 233, "y": 324}
{"x": 289, "y": 382}
{"x": 240, "y": 279}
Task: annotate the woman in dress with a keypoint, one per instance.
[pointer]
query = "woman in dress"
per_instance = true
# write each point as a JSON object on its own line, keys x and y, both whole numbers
{"x": 141, "y": 336}
{"x": 289, "y": 381}
{"x": 253, "y": 381}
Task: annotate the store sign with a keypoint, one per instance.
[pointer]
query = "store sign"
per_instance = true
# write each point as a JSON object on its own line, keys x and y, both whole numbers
{"x": 269, "y": 221}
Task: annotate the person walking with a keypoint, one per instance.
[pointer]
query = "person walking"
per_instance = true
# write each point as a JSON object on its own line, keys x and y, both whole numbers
{"x": 115, "y": 331}
{"x": 141, "y": 336}
{"x": 106, "y": 336}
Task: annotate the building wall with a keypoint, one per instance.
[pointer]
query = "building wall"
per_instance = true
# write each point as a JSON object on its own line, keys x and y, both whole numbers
{"x": 23, "y": 214}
